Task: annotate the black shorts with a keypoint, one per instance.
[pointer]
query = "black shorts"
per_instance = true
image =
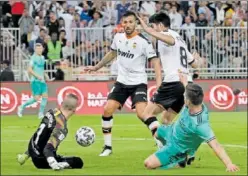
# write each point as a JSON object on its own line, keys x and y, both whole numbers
{"x": 170, "y": 95}
{"x": 121, "y": 92}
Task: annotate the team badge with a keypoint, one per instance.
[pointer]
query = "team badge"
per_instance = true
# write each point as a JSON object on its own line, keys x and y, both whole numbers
{"x": 134, "y": 45}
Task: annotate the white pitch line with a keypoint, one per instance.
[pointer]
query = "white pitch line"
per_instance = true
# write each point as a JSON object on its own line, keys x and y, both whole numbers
{"x": 129, "y": 139}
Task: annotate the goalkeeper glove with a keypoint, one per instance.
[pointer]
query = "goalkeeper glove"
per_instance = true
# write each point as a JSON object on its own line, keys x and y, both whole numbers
{"x": 57, "y": 165}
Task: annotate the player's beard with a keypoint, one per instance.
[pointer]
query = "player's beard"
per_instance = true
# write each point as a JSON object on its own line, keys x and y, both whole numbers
{"x": 129, "y": 31}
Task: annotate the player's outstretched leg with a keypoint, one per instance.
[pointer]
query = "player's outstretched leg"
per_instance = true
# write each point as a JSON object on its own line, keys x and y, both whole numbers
{"x": 42, "y": 106}
{"x": 107, "y": 123}
{"x": 24, "y": 105}
{"x": 22, "y": 158}
{"x": 43, "y": 103}
{"x": 150, "y": 119}
{"x": 152, "y": 162}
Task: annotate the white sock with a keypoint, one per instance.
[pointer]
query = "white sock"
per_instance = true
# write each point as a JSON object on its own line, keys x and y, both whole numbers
{"x": 107, "y": 124}
{"x": 108, "y": 139}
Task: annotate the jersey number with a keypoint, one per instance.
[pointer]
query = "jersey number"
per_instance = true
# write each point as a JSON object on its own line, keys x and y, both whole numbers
{"x": 41, "y": 128}
{"x": 183, "y": 57}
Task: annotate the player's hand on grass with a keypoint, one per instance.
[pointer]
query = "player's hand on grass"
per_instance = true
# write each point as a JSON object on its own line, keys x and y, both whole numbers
{"x": 90, "y": 69}
{"x": 55, "y": 165}
{"x": 232, "y": 168}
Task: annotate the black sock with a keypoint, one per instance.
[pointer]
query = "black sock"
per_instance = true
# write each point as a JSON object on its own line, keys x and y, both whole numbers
{"x": 152, "y": 123}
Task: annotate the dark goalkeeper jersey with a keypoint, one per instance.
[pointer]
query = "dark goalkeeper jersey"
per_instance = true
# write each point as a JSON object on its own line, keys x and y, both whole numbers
{"x": 51, "y": 132}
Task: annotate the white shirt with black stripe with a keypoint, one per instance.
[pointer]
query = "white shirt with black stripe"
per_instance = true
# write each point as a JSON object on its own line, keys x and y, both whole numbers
{"x": 132, "y": 55}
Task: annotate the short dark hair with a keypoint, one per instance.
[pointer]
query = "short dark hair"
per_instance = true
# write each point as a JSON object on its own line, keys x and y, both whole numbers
{"x": 62, "y": 30}
{"x": 129, "y": 13}
{"x": 194, "y": 94}
{"x": 42, "y": 29}
{"x": 160, "y": 18}
{"x": 7, "y": 62}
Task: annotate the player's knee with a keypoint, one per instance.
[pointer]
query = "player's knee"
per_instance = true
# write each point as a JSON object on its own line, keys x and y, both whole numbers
{"x": 148, "y": 164}
{"x": 37, "y": 98}
{"x": 140, "y": 115}
{"x": 45, "y": 96}
{"x": 108, "y": 111}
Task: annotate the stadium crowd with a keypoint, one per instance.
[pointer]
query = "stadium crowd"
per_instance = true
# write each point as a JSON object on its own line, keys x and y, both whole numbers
{"x": 51, "y": 23}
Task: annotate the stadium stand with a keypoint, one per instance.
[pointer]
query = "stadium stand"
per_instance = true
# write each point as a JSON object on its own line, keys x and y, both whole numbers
{"x": 84, "y": 30}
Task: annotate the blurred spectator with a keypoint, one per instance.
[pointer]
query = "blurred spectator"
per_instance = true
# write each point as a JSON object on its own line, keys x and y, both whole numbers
{"x": 202, "y": 21}
{"x": 54, "y": 48}
{"x": 68, "y": 17}
{"x": 59, "y": 74}
{"x": 134, "y": 7}
{"x": 62, "y": 38}
{"x": 78, "y": 34}
{"x": 235, "y": 48}
{"x": 121, "y": 8}
{"x": 176, "y": 18}
{"x": 40, "y": 16}
{"x": 6, "y": 12}
{"x": 96, "y": 22}
{"x": 109, "y": 14}
{"x": 53, "y": 24}
{"x": 25, "y": 22}
{"x": 188, "y": 29}
{"x": 148, "y": 8}
{"x": 158, "y": 7}
{"x": 192, "y": 11}
{"x": 167, "y": 7}
{"x": 220, "y": 13}
{"x": 55, "y": 7}
{"x": 40, "y": 25}
{"x": 17, "y": 10}
{"x": 85, "y": 13}
{"x": 61, "y": 24}
{"x": 41, "y": 38}
{"x": 203, "y": 9}
{"x": 7, "y": 74}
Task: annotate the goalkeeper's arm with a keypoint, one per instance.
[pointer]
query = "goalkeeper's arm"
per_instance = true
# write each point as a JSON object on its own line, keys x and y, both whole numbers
{"x": 50, "y": 151}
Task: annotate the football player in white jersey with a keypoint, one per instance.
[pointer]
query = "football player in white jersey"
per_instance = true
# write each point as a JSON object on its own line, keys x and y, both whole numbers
{"x": 166, "y": 116}
{"x": 132, "y": 50}
{"x": 174, "y": 57}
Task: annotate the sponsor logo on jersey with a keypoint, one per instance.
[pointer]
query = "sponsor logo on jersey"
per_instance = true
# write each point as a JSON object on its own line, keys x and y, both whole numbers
{"x": 8, "y": 100}
{"x": 140, "y": 93}
{"x": 125, "y": 54}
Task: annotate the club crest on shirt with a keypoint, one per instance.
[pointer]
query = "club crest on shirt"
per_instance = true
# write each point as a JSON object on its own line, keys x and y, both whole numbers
{"x": 134, "y": 45}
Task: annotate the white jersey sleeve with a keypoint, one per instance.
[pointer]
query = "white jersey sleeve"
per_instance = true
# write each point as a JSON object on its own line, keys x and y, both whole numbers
{"x": 175, "y": 57}
{"x": 114, "y": 42}
{"x": 150, "y": 52}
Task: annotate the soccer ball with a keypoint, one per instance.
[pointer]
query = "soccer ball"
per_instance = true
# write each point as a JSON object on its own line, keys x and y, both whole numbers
{"x": 85, "y": 136}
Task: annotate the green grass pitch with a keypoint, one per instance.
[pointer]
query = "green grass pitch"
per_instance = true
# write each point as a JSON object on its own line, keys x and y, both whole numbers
{"x": 131, "y": 145}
